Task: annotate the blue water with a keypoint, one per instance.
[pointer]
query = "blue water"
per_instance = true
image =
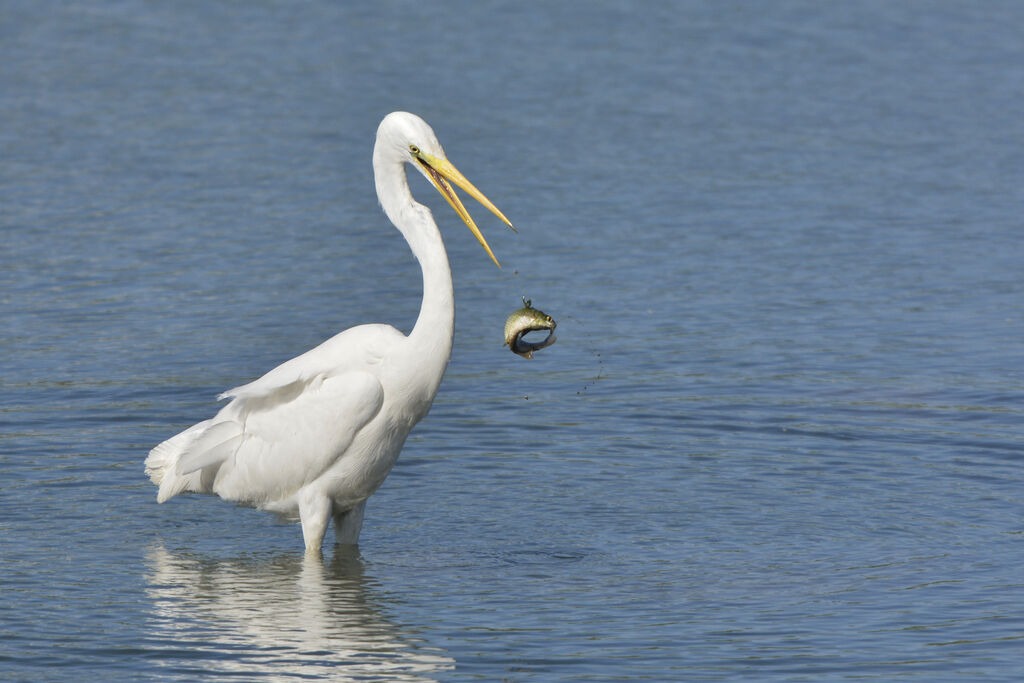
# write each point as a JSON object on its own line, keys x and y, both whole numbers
{"x": 781, "y": 435}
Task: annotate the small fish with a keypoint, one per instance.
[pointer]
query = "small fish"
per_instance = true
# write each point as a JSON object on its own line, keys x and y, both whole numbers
{"x": 528, "y": 319}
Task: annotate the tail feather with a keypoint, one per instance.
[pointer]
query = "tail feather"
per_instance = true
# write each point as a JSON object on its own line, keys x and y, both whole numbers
{"x": 161, "y": 464}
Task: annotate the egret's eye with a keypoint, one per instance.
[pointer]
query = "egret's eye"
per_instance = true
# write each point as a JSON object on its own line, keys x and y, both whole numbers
{"x": 414, "y": 149}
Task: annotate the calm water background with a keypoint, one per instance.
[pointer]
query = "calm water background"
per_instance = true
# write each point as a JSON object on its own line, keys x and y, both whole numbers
{"x": 780, "y": 435}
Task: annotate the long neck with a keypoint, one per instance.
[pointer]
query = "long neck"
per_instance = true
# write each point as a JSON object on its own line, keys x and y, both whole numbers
{"x": 436, "y": 321}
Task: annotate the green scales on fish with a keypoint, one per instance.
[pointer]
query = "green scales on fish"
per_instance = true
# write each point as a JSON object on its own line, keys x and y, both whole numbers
{"x": 523, "y": 321}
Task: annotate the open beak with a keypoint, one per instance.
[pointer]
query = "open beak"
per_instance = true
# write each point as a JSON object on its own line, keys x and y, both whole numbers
{"x": 440, "y": 171}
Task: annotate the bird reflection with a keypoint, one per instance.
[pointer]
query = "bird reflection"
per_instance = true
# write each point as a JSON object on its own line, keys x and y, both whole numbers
{"x": 291, "y": 615}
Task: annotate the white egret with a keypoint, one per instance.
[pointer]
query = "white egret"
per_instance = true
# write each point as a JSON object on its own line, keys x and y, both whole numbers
{"x": 317, "y": 435}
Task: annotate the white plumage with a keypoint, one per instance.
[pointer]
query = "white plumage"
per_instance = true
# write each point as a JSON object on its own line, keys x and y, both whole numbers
{"x": 317, "y": 435}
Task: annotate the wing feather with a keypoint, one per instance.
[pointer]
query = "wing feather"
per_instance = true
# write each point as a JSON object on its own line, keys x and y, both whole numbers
{"x": 214, "y": 455}
{"x": 284, "y": 429}
{"x": 288, "y": 443}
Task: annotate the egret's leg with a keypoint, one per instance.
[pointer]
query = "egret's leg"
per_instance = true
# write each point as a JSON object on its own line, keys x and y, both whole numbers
{"x": 315, "y": 513}
{"x": 347, "y": 525}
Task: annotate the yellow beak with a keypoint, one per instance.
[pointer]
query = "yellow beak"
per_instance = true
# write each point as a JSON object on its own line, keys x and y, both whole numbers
{"x": 440, "y": 171}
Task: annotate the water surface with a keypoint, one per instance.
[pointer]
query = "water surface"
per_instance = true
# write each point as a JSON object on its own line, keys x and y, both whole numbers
{"x": 780, "y": 433}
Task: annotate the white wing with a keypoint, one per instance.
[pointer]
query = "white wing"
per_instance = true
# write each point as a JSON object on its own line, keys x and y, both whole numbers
{"x": 287, "y": 438}
{"x": 285, "y": 429}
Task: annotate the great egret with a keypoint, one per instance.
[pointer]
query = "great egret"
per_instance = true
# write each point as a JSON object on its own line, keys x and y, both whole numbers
{"x": 317, "y": 435}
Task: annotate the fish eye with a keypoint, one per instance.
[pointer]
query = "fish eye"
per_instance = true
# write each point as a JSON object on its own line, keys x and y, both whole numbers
{"x": 414, "y": 149}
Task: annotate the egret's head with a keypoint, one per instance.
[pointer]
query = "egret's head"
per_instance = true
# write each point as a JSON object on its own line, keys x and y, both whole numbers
{"x": 410, "y": 139}
{"x": 400, "y": 129}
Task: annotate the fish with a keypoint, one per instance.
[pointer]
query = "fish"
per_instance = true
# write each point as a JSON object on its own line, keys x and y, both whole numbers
{"x": 528, "y": 319}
